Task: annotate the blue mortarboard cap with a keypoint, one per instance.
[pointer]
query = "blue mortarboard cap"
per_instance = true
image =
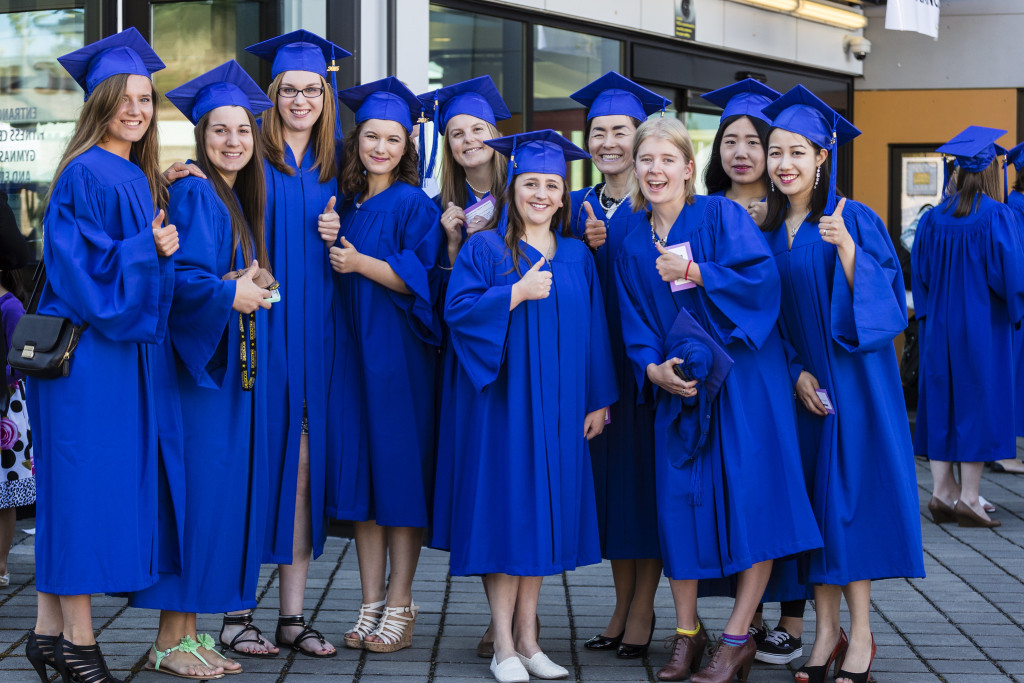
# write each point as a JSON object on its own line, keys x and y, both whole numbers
{"x": 800, "y": 111}
{"x": 299, "y": 51}
{"x": 974, "y": 148}
{"x": 228, "y": 84}
{"x": 477, "y": 97}
{"x": 744, "y": 98}
{"x": 386, "y": 99}
{"x": 126, "y": 52}
{"x": 613, "y": 94}
{"x": 1015, "y": 156}
{"x": 542, "y": 151}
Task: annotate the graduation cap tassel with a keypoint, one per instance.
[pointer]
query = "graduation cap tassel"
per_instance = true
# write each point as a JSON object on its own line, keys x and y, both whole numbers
{"x": 830, "y": 206}
{"x": 421, "y": 162}
{"x": 435, "y": 138}
{"x": 333, "y": 71}
{"x": 1006, "y": 183}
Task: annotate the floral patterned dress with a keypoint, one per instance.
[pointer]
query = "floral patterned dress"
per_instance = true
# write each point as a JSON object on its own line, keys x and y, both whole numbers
{"x": 17, "y": 485}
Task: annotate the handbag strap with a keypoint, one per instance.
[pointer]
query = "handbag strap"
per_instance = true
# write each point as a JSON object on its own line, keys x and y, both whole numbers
{"x": 38, "y": 280}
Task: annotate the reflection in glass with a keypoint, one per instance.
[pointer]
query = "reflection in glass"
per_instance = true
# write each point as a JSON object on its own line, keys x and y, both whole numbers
{"x": 39, "y": 103}
{"x": 703, "y": 128}
{"x": 563, "y": 62}
{"x": 192, "y": 38}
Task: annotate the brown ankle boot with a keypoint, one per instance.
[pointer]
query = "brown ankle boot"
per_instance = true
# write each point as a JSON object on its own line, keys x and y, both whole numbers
{"x": 727, "y": 662}
{"x": 687, "y": 654}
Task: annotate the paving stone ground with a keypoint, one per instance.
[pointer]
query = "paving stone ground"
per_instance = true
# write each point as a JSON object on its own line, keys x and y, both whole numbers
{"x": 964, "y": 622}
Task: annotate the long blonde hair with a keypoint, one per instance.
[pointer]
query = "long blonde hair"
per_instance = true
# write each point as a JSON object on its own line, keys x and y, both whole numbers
{"x": 97, "y": 113}
{"x": 324, "y": 157}
{"x": 453, "y": 176}
{"x": 673, "y": 130}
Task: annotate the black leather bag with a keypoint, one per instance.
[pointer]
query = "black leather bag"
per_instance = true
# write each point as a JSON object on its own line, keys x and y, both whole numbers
{"x": 41, "y": 345}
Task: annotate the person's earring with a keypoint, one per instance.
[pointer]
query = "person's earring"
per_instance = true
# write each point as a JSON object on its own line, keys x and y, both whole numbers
{"x": 817, "y": 177}
{"x": 772, "y": 183}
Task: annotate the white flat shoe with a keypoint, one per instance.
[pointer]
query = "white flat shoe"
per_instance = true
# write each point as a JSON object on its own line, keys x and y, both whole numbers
{"x": 541, "y": 666}
{"x": 509, "y": 671}
{"x": 5, "y": 580}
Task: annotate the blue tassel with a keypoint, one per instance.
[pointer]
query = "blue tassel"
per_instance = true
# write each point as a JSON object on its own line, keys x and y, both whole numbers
{"x": 830, "y": 206}
{"x": 333, "y": 70}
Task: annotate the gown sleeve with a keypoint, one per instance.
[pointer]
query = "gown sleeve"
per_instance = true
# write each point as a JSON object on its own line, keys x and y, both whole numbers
{"x": 875, "y": 311}
{"x": 919, "y": 268}
{"x": 1005, "y": 262}
{"x": 794, "y": 364}
{"x": 643, "y": 343}
{"x": 122, "y": 288}
{"x": 477, "y": 312}
{"x": 602, "y": 389}
{"x": 420, "y": 246}
{"x": 740, "y": 276}
{"x": 202, "y": 300}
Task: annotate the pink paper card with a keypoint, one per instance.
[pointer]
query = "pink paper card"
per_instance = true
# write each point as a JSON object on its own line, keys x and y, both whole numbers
{"x": 825, "y": 401}
{"x": 683, "y": 249}
{"x": 478, "y": 214}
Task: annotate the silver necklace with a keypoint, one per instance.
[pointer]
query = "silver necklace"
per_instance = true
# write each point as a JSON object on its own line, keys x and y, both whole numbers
{"x": 654, "y": 235}
{"x": 608, "y": 204}
{"x": 478, "y": 193}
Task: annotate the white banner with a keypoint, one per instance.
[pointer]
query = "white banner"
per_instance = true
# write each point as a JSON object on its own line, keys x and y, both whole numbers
{"x": 921, "y": 16}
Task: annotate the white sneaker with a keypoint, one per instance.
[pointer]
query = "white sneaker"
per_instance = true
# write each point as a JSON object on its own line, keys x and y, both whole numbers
{"x": 541, "y": 666}
{"x": 510, "y": 670}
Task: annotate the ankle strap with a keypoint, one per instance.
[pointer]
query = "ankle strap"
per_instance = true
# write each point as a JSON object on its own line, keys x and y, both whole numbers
{"x": 291, "y": 620}
{"x": 238, "y": 619}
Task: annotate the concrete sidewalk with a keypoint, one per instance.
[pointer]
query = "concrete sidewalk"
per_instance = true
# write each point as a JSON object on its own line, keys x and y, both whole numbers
{"x": 965, "y": 622}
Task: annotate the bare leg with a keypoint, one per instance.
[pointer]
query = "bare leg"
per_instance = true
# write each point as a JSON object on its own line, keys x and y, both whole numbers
{"x": 858, "y": 600}
{"x": 624, "y": 577}
{"x": 970, "y": 480}
{"x": 49, "y": 617}
{"x": 77, "y": 612}
{"x": 944, "y": 486}
{"x": 684, "y": 595}
{"x": 647, "y": 574}
{"x": 1012, "y": 465}
{"x": 826, "y": 628}
{"x": 525, "y": 620}
{"x": 488, "y": 636}
{"x": 749, "y": 590}
{"x": 501, "y": 596}
{"x": 403, "y": 545}
{"x": 372, "y": 548}
{"x": 294, "y": 575}
{"x": 173, "y": 627}
{"x": 8, "y": 517}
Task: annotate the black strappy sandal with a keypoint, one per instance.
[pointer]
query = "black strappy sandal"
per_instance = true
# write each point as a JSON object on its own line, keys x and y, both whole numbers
{"x": 304, "y": 635}
{"x": 245, "y": 621}
{"x": 83, "y": 664}
{"x": 40, "y": 651}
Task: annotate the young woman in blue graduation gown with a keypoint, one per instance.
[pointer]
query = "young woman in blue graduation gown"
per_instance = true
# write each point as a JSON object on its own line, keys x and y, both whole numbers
{"x": 534, "y": 379}
{"x": 842, "y": 303}
{"x": 386, "y": 274}
{"x": 736, "y": 170}
{"x": 471, "y": 171}
{"x": 710, "y": 507}
{"x": 223, "y": 396}
{"x": 1015, "y": 200}
{"x": 967, "y": 274}
{"x": 106, "y": 251}
{"x": 623, "y": 454}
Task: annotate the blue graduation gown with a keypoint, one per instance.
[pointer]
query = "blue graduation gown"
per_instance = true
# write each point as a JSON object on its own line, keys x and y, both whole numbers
{"x": 967, "y": 276}
{"x": 523, "y": 491}
{"x": 385, "y": 354}
{"x": 1016, "y": 202}
{"x": 712, "y": 518}
{"x": 622, "y": 455}
{"x": 861, "y": 478}
{"x": 109, "y": 489}
{"x": 301, "y": 329}
{"x": 225, "y": 441}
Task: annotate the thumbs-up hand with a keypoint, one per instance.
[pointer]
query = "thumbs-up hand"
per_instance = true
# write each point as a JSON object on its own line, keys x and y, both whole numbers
{"x": 758, "y": 210}
{"x": 329, "y": 223}
{"x": 165, "y": 237}
{"x": 345, "y": 258}
{"x": 595, "y": 234}
{"x": 248, "y": 295}
{"x": 833, "y": 228}
{"x": 535, "y": 283}
{"x": 671, "y": 266}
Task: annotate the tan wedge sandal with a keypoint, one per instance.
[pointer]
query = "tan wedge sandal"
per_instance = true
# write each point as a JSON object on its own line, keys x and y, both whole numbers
{"x": 394, "y": 630}
{"x": 370, "y": 614}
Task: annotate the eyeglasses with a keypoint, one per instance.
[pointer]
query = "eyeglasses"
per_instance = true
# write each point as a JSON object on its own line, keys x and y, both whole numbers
{"x": 308, "y": 93}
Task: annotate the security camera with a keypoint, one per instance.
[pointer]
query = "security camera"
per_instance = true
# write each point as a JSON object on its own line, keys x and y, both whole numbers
{"x": 858, "y": 46}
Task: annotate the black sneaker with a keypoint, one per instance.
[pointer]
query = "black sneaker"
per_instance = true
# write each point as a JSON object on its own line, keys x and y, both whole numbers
{"x": 758, "y": 634}
{"x": 778, "y": 647}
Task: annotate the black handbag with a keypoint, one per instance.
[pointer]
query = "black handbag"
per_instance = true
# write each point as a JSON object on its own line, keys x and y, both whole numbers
{"x": 41, "y": 345}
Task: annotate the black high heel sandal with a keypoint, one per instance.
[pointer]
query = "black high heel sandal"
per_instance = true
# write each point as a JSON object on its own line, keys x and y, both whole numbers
{"x": 630, "y": 651}
{"x": 40, "y": 652}
{"x": 817, "y": 674}
{"x": 864, "y": 676}
{"x": 82, "y": 664}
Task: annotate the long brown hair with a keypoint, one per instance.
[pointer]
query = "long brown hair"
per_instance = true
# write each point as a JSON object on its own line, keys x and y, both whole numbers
{"x": 516, "y": 227}
{"x": 970, "y": 185}
{"x": 250, "y": 187}
{"x": 353, "y": 173}
{"x": 322, "y": 137}
{"x": 453, "y": 176}
{"x": 97, "y": 113}
{"x": 673, "y": 130}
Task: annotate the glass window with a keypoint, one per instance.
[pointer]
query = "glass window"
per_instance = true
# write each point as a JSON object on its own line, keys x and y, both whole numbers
{"x": 192, "y": 38}
{"x": 563, "y": 62}
{"x": 464, "y": 45}
{"x": 39, "y": 104}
